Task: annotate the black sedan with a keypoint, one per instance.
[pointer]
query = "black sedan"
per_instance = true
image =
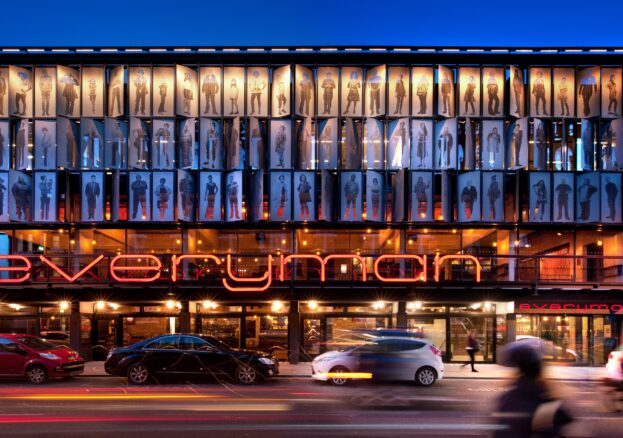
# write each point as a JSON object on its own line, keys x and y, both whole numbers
{"x": 187, "y": 356}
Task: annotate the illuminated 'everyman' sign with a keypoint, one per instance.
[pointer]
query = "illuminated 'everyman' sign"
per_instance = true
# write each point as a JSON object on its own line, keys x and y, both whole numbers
{"x": 147, "y": 268}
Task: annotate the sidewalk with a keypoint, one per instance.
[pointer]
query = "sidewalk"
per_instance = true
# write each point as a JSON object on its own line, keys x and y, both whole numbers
{"x": 452, "y": 371}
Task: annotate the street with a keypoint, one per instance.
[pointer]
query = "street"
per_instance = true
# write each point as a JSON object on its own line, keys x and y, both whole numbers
{"x": 285, "y": 406}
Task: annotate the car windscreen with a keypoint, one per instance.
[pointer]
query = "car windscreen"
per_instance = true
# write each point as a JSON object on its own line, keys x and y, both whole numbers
{"x": 37, "y": 344}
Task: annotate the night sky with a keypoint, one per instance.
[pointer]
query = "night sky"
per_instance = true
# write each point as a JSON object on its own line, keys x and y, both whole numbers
{"x": 209, "y": 23}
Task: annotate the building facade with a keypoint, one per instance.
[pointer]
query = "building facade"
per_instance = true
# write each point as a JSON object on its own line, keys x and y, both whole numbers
{"x": 294, "y": 199}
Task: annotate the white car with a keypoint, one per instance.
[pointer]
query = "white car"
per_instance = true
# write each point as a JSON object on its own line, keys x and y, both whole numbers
{"x": 547, "y": 348}
{"x": 614, "y": 367}
{"x": 394, "y": 358}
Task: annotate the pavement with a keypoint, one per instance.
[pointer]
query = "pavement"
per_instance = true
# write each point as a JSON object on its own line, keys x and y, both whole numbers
{"x": 452, "y": 371}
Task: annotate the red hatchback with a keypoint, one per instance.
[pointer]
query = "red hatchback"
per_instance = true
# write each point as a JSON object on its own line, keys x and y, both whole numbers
{"x": 36, "y": 359}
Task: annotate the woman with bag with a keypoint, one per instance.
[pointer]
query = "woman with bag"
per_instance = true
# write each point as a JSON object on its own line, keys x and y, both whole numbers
{"x": 472, "y": 348}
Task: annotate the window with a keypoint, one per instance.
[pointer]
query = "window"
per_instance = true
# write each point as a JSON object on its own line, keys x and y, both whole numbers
{"x": 193, "y": 343}
{"x": 7, "y": 346}
{"x": 164, "y": 343}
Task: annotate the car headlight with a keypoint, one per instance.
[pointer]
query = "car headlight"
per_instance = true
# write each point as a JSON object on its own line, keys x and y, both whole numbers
{"x": 50, "y": 356}
{"x": 266, "y": 361}
{"x": 322, "y": 359}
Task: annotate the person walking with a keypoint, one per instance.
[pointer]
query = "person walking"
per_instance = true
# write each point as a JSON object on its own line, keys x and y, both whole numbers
{"x": 472, "y": 348}
{"x": 528, "y": 408}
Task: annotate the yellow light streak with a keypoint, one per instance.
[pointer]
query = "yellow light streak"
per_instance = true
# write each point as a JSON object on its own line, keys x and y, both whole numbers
{"x": 346, "y": 375}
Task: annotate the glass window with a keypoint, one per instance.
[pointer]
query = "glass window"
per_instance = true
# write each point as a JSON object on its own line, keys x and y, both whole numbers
{"x": 136, "y": 329}
{"x": 166, "y": 343}
{"x": 100, "y": 241}
{"x": 7, "y": 345}
{"x": 427, "y": 241}
{"x": 343, "y": 332}
{"x": 226, "y": 330}
{"x": 193, "y": 343}
{"x": 37, "y": 344}
{"x": 19, "y": 325}
{"x": 214, "y": 241}
{"x": 268, "y": 333}
{"x": 42, "y": 241}
{"x": 154, "y": 241}
{"x": 558, "y": 337}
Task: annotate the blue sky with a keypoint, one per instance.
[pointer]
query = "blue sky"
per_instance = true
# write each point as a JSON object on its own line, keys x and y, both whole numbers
{"x": 321, "y": 22}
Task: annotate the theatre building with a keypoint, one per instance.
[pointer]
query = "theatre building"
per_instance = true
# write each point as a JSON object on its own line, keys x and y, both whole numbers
{"x": 294, "y": 199}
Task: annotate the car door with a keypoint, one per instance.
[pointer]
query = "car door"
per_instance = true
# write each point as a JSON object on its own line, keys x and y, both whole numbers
{"x": 11, "y": 362}
{"x": 410, "y": 355}
{"x": 203, "y": 357}
{"x": 163, "y": 355}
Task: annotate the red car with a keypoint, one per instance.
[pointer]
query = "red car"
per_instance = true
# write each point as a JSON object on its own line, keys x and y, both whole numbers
{"x": 36, "y": 359}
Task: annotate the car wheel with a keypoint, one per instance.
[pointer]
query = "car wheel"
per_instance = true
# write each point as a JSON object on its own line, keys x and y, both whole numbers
{"x": 138, "y": 374}
{"x": 37, "y": 375}
{"x": 426, "y": 376}
{"x": 246, "y": 374}
{"x": 336, "y": 378}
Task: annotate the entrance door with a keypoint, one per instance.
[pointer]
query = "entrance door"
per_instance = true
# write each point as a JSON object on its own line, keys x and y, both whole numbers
{"x": 312, "y": 338}
{"x": 105, "y": 335}
{"x": 461, "y": 326}
{"x": 603, "y": 338}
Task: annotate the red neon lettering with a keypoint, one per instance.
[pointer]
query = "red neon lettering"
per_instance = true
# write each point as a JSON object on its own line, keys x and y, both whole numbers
{"x": 616, "y": 308}
{"x": 568, "y": 306}
{"x": 422, "y": 276}
{"x": 598, "y": 307}
{"x": 175, "y": 260}
{"x": 439, "y": 261}
{"x": 268, "y": 277}
{"x": 288, "y": 259}
{"x": 63, "y": 274}
{"x": 114, "y": 269}
{"x": 25, "y": 268}
{"x": 343, "y": 256}
{"x": 554, "y": 307}
{"x": 525, "y": 307}
{"x": 231, "y": 274}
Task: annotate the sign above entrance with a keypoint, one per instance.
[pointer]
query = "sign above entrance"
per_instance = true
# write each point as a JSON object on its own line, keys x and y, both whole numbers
{"x": 148, "y": 268}
{"x": 571, "y": 308}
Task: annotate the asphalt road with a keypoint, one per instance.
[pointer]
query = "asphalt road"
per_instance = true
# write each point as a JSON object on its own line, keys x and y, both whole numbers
{"x": 282, "y": 407}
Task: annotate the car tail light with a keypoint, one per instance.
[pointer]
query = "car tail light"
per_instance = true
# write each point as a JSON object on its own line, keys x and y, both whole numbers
{"x": 436, "y": 351}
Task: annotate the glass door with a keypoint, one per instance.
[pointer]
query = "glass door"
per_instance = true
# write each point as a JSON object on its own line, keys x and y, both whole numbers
{"x": 106, "y": 335}
{"x": 603, "y": 338}
{"x": 460, "y": 328}
{"x": 312, "y": 338}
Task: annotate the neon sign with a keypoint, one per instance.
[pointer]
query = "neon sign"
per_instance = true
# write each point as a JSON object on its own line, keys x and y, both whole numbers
{"x": 148, "y": 268}
{"x": 570, "y": 308}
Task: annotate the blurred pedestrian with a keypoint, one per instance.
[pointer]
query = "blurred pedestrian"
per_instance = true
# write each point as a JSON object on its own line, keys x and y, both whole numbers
{"x": 529, "y": 408}
{"x": 472, "y": 348}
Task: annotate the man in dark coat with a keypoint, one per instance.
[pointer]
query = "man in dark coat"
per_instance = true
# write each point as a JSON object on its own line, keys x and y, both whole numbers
{"x": 139, "y": 192}
{"x": 91, "y": 192}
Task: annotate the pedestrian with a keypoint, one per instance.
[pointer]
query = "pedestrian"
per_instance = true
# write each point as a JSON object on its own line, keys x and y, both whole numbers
{"x": 528, "y": 408}
{"x": 472, "y": 348}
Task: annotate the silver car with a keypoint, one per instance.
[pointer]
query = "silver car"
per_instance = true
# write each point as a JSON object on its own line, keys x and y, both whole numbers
{"x": 387, "y": 358}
